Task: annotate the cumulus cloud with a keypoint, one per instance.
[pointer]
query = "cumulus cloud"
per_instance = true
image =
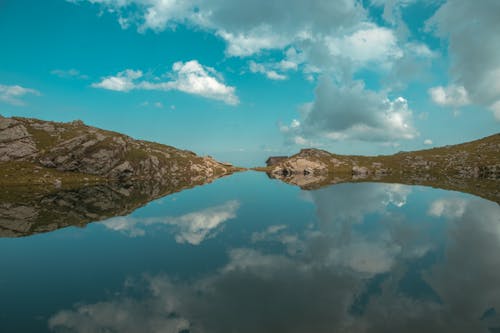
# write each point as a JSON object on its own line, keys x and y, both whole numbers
{"x": 471, "y": 29}
{"x": 455, "y": 96}
{"x": 319, "y": 38}
{"x": 192, "y": 228}
{"x": 253, "y": 41}
{"x": 123, "y": 81}
{"x": 316, "y": 37}
{"x": 352, "y": 112}
{"x": 381, "y": 42}
{"x": 302, "y": 21}
{"x": 327, "y": 32}
{"x": 190, "y": 77}
{"x": 193, "y": 78}
{"x": 428, "y": 142}
{"x": 13, "y": 94}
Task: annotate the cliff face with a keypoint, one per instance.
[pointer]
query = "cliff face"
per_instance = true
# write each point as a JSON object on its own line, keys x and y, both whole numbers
{"x": 80, "y": 149}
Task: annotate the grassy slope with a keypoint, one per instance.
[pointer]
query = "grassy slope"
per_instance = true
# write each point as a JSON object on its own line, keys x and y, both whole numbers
{"x": 51, "y": 143}
{"x": 67, "y": 131}
{"x": 441, "y": 160}
{"x": 22, "y": 172}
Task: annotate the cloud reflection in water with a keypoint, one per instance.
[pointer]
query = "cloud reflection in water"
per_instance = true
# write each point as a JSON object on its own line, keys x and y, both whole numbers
{"x": 344, "y": 275}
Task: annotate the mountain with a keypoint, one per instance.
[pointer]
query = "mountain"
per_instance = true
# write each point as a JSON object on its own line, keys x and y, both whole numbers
{"x": 472, "y": 167}
{"x": 34, "y": 151}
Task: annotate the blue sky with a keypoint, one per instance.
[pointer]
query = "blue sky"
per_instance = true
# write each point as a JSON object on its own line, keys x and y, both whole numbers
{"x": 242, "y": 80}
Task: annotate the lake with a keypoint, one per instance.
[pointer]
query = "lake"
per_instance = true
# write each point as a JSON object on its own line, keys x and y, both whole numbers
{"x": 250, "y": 254}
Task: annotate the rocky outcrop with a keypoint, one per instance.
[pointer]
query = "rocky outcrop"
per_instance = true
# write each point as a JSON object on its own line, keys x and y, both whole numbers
{"x": 273, "y": 160}
{"x": 16, "y": 143}
{"x": 75, "y": 147}
{"x": 476, "y": 159}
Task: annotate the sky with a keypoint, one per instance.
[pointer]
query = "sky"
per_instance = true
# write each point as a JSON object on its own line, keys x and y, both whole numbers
{"x": 243, "y": 80}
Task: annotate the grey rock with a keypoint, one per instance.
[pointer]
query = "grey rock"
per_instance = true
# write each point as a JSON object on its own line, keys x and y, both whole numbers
{"x": 360, "y": 171}
{"x": 24, "y": 149}
{"x": 13, "y": 133}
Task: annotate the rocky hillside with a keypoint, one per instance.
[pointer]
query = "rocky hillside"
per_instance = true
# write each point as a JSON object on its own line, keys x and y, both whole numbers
{"x": 57, "y": 152}
{"x": 472, "y": 167}
{"x": 476, "y": 159}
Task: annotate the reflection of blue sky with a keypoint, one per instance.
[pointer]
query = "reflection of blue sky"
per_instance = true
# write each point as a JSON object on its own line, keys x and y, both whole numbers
{"x": 377, "y": 258}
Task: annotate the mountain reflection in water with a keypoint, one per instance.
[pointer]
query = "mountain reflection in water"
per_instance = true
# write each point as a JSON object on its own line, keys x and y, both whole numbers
{"x": 30, "y": 210}
{"x": 246, "y": 254}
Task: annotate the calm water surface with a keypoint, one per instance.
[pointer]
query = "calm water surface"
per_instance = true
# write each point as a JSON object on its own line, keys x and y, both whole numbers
{"x": 249, "y": 254}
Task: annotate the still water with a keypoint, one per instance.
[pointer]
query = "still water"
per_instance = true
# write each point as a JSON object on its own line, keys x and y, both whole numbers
{"x": 250, "y": 254}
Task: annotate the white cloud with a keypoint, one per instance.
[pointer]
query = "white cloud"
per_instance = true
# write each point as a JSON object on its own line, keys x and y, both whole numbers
{"x": 428, "y": 142}
{"x": 192, "y": 228}
{"x": 14, "y": 94}
{"x": 420, "y": 50}
{"x": 332, "y": 38}
{"x": 471, "y": 29}
{"x": 190, "y": 77}
{"x": 123, "y": 81}
{"x": 275, "y": 76}
{"x": 381, "y": 42}
{"x": 248, "y": 43}
{"x": 161, "y": 14}
{"x": 247, "y": 31}
{"x": 326, "y": 36}
{"x": 352, "y": 112}
{"x": 269, "y": 73}
{"x": 288, "y": 65}
{"x": 455, "y": 96}
{"x": 344, "y": 26}
{"x": 193, "y": 78}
